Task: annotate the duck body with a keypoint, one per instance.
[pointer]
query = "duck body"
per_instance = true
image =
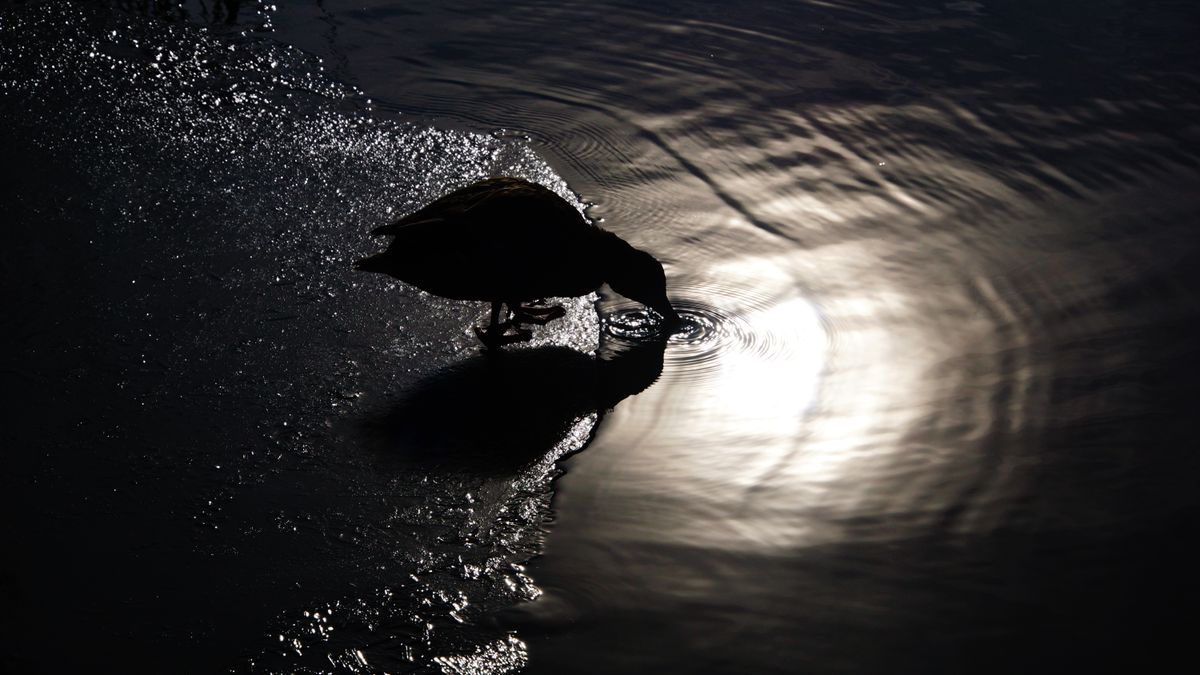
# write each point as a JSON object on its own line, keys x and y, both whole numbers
{"x": 502, "y": 239}
{"x": 509, "y": 241}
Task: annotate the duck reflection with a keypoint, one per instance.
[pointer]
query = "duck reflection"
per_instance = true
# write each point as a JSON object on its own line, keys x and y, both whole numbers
{"x": 499, "y": 411}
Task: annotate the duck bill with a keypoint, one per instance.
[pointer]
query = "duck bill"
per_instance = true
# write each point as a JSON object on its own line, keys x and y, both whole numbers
{"x": 671, "y": 318}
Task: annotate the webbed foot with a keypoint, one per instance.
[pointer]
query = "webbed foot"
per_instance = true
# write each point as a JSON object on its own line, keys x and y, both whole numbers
{"x": 539, "y": 315}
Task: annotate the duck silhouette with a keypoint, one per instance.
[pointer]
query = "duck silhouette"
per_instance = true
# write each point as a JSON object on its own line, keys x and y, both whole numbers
{"x": 514, "y": 243}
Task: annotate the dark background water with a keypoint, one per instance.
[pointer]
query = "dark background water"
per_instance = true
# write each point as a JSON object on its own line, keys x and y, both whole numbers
{"x": 933, "y": 415}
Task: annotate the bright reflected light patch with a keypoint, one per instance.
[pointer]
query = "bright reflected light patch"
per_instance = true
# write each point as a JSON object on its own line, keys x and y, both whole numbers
{"x": 501, "y": 656}
{"x": 754, "y": 369}
{"x": 775, "y": 383}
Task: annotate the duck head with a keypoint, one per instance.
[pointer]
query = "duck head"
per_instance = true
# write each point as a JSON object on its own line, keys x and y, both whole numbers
{"x": 638, "y": 276}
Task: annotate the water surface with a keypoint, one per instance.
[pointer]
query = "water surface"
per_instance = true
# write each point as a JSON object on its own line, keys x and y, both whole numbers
{"x": 927, "y": 413}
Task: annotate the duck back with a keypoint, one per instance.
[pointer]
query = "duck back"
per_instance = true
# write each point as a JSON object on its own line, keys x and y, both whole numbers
{"x": 502, "y": 239}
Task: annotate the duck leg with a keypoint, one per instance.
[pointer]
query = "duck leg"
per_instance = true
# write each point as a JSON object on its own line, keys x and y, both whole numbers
{"x": 495, "y": 325}
{"x": 495, "y": 329}
{"x": 521, "y": 334}
{"x": 495, "y": 334}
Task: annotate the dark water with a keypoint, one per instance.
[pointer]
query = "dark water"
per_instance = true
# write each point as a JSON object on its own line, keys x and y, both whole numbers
{"x": 931, "y": 411}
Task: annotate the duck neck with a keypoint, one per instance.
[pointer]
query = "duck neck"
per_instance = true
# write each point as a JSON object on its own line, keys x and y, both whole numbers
{"x": 614, "y": 250}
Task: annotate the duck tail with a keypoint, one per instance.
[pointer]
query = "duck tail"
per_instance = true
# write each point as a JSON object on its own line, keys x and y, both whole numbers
{"x": 373, "y": 263}
{"x": 390, "y": 228}
{"x": 396, "y": 228}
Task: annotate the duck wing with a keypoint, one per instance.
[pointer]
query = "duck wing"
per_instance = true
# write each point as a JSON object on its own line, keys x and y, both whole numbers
{"x": 502, "y": 239}
{"x": 480, "y": 202}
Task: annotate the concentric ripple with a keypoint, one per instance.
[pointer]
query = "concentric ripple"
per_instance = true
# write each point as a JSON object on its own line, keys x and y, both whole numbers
{"x": 696, "y": 325}
{"x": 733, "y": 325}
